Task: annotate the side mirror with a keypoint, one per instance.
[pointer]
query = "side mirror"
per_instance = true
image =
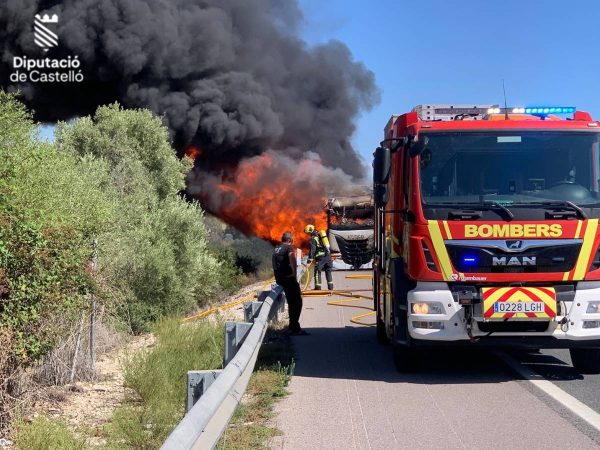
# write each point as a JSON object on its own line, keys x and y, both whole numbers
{"x": 381, "y": 165}
{"x": 417, "y": 147}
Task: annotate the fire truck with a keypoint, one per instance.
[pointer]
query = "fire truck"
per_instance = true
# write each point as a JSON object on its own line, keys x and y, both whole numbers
{"x": 486, "y": 231}
{"x": 350, "y": 228}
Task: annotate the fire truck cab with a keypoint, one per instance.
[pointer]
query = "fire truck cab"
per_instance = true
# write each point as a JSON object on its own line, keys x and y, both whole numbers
{"x": 350, "y": 228}
{"x": 486, "y": 231}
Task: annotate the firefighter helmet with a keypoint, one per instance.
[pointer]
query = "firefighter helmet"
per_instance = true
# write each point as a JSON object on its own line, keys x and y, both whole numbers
{"x": 308, "y": 229}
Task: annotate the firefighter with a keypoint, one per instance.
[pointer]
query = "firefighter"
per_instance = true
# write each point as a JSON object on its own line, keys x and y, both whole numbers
{"x": 321, "y": 253}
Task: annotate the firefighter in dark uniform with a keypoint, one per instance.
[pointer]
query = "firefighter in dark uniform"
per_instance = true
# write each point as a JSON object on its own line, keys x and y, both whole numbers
{"x": 285, "y": 271}
{"x": 321, "y": 253}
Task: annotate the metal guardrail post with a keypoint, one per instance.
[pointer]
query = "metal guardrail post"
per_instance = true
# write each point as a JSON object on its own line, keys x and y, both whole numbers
{"x": 198, "y": 381}
{"x": 204, "y": 424}
{"x": 251, "y": 310}
{"x": 280, "y": 309}
{"x": 235, "y": 333}
{"x": 262, "y": 295}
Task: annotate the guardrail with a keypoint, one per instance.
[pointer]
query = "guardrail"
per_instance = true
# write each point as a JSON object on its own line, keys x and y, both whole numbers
{"x": 213, "y": 395}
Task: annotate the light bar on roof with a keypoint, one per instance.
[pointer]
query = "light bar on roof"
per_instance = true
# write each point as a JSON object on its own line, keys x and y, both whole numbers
{"x": 550, "y": 110}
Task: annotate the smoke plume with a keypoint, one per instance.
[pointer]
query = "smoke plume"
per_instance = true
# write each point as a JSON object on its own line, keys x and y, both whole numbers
{"x": 230, "y": 77}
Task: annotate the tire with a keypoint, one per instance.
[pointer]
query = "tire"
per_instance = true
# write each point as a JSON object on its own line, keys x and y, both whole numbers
{"x": 586, "y": 360}
{"x": 406, "y": 358}
{"x": 382, "y": 337}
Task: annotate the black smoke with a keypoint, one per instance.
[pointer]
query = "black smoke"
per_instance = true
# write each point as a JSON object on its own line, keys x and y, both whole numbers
{"x": 231, "y": 76}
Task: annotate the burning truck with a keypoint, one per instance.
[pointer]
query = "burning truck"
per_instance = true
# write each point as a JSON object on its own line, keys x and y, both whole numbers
{"x": 350, "y": 229}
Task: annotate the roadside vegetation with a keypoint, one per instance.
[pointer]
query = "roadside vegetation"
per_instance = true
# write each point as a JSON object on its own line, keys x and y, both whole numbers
{"x": 45, "y": 434}
{"x": 113, "y": 179}
{"x": 158, "y": 377}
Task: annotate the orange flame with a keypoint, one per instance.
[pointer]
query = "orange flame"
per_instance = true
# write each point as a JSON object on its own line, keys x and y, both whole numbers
{"x": 193, "y": 152}
{"x": 267, "y": 198}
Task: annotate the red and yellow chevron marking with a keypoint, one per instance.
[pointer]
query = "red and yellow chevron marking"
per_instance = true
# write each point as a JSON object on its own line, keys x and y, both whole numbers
{"x": 491, "y": 295}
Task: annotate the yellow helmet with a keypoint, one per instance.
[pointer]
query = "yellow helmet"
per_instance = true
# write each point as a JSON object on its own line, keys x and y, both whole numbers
{"x": 308, "y": 229}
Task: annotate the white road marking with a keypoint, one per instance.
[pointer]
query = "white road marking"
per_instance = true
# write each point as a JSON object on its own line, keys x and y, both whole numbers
{"x": 568, "y": 401}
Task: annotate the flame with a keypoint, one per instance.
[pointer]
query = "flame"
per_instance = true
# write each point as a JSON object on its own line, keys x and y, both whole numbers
{"x": 352, "y": 221}
{"x": 265, "y": 197}
{"x": 193, "y": 152}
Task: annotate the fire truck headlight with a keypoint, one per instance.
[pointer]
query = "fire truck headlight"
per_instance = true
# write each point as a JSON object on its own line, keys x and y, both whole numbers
{"x": 427, "y": 308}
{"x": 593, "y": 308}
{"x": 591, "y": 323}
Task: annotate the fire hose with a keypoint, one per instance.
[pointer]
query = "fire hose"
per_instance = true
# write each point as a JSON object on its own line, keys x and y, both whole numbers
{"x": 224, "y": 307}
{"x": 352, "y": 293}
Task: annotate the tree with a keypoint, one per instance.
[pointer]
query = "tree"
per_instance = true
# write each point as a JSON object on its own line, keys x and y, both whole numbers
{"x": 156, "y": 259}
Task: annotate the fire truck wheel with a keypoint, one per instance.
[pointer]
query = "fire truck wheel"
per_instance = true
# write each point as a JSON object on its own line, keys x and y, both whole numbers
{"x": 406, "y": 358}
{"x": 586, "y": 360}
{"x": 381, "y": 333}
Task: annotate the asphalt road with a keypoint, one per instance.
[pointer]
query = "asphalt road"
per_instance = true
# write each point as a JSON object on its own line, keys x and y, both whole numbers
{"x": 346, "y": 394}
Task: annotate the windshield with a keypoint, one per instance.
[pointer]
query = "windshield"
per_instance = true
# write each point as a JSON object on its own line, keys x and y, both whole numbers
{"x": 510, "y": 168}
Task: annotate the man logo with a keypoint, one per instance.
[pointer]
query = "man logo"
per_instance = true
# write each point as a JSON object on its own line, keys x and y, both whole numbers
{"x": 514, "y": 261}
{"x": 514, "y": 245}
{"x": 44, "y": 36}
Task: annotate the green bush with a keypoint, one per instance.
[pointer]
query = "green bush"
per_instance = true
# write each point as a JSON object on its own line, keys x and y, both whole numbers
{"x": 44, "y": 434}
{"x": 156, "y": 258}
{"x": 113, "y": 178}
{"x": 253, "y": 256}
{"x": 51, "y": 206}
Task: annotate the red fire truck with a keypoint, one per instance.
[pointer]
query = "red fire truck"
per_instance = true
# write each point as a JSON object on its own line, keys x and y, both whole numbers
{"x": 486, "y": 231}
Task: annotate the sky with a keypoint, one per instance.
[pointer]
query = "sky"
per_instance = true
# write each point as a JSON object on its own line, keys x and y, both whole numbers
{"x": 458, "y": 52}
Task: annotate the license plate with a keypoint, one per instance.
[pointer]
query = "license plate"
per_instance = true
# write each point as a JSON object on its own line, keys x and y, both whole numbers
{"x": 519, "y": 303}
{"x": 522, "y": 307}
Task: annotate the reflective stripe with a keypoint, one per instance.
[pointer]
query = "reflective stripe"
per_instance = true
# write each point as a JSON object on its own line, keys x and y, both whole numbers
{"x": 447, "y": 228}
{"x": 320, "y": 248}
{"x": 440, "y": 249}
{"x": 579, "y": 222}
{"x": 586, "y": 250}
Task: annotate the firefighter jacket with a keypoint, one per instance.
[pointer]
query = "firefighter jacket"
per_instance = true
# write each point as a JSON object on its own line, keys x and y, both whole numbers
{"x": 317, "y": 248}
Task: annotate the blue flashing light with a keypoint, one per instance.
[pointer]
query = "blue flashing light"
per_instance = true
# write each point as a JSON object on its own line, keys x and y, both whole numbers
{"x": 469, "y": 260}
{"x": 550, "y": 110}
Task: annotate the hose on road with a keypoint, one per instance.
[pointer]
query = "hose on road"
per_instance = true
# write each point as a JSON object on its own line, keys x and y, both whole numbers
{"x": 351, "y": 293}
{"x": 353, "y": 298}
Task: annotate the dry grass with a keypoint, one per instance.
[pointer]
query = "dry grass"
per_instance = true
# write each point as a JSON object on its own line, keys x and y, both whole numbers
{"x": 9, "y": 379}
{"x": 22, "y": 389}
{"x": 70, "y": 360}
